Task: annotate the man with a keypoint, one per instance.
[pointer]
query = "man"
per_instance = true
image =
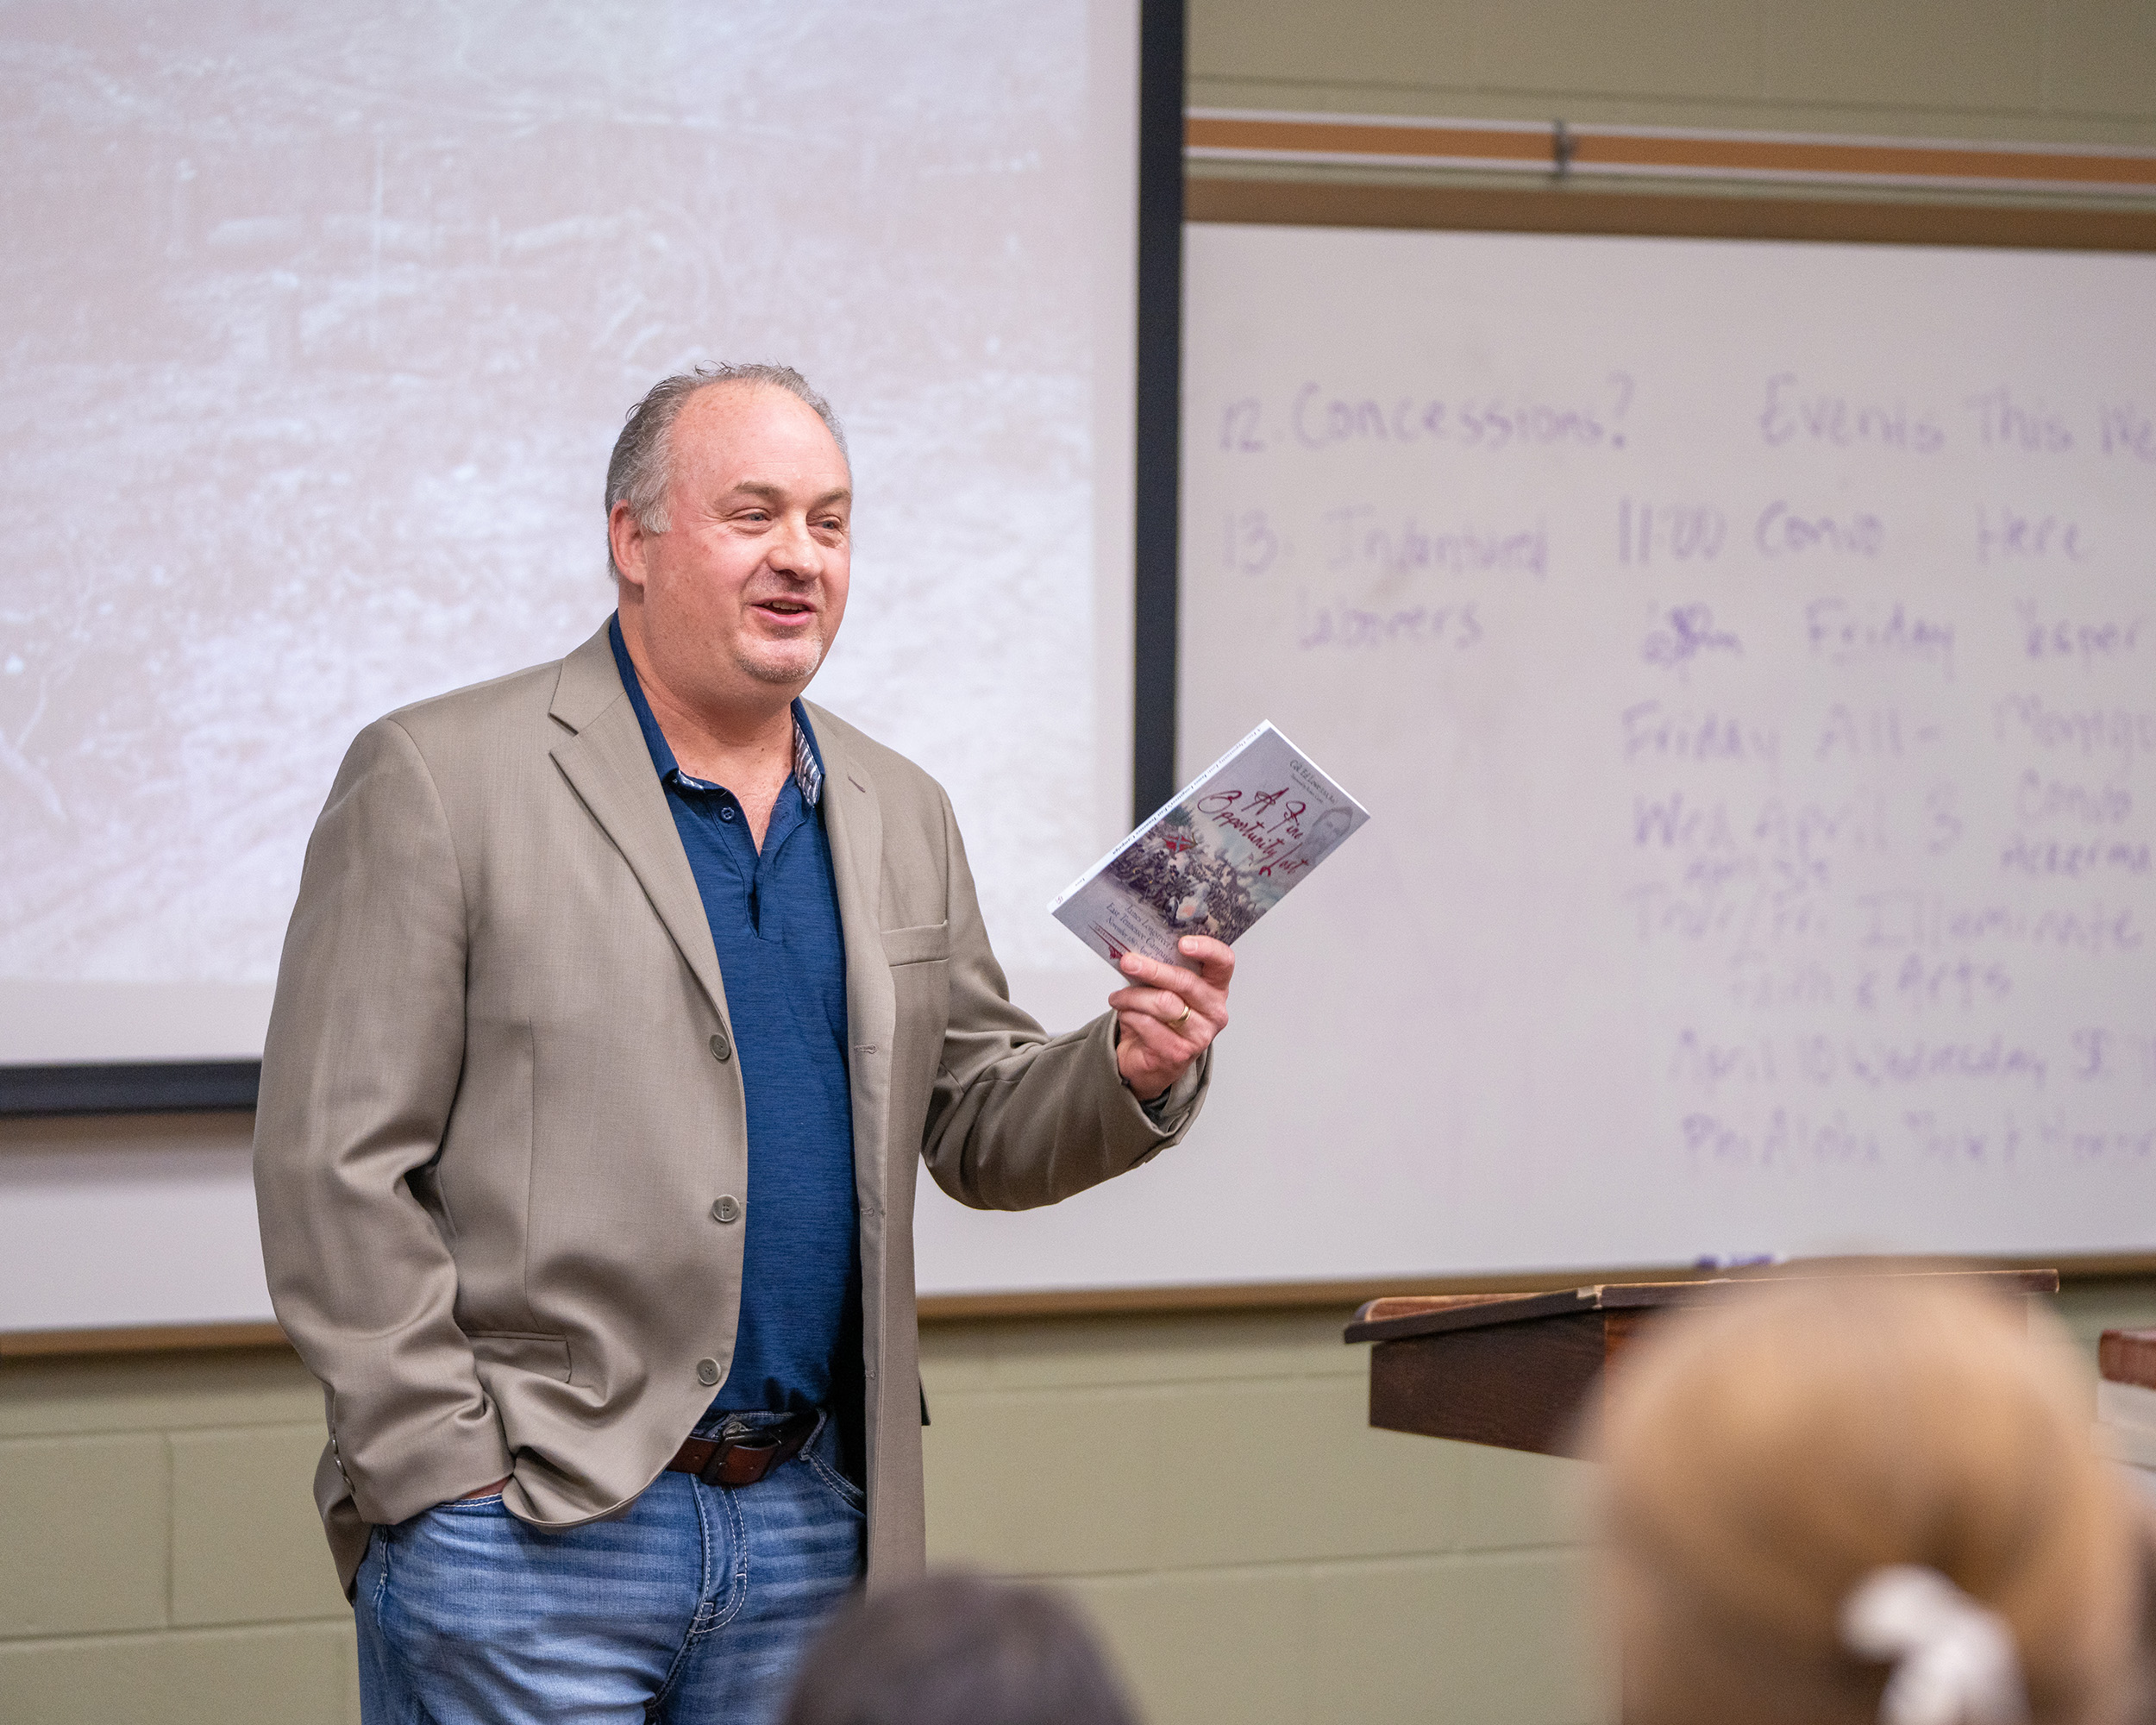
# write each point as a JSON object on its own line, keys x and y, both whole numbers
{"x": 620, "y": 998}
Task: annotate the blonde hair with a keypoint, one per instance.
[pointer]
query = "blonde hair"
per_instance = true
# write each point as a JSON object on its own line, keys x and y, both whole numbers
{"x": 1767, "y": 1455}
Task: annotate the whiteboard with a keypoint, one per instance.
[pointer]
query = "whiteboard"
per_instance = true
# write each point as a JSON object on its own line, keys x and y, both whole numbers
{"x": 1747, "y": 652}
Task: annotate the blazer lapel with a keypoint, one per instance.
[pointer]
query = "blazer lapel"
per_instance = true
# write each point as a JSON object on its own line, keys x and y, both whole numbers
{"x": 608, "y": 766}
{"x": 854, "y": 820}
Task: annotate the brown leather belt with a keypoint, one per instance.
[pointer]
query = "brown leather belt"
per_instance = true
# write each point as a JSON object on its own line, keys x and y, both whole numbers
{"x": 744, "y": 1456}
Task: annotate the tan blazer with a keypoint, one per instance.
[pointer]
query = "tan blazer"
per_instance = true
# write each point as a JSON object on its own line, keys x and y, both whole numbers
{"x": 500, "y": 1103}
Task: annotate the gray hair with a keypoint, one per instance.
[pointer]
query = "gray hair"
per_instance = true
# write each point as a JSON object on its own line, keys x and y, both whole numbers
{"x": 643, "y": 453}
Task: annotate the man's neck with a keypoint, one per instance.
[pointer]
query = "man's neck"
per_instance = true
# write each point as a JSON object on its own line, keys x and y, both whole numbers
{"x": 748, "y": 747}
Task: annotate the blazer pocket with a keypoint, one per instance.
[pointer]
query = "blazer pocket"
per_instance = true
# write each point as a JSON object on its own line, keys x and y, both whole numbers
{"x": 541, "y": 1356}
{"x": 922, "y": 945}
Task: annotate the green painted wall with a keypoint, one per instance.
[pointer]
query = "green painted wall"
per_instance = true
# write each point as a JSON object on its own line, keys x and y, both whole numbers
{"x": 1213, "y": 1489}
{"x": 1207, "y": 1485}
{"x": 160, "y": 1557}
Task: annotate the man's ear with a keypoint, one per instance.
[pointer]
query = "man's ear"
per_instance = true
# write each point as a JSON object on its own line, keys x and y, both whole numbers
{"x": 626, "y": 538}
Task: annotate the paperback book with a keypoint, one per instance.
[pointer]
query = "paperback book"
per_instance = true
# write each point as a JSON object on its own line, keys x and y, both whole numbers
{"x": 1227, "y": 848}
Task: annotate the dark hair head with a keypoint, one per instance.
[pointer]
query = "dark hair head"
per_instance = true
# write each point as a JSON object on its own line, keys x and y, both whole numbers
{"x": 958, "y": 1649}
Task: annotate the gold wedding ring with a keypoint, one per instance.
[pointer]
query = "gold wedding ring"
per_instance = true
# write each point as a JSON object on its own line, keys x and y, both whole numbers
{"x": 1177, "y": 1024}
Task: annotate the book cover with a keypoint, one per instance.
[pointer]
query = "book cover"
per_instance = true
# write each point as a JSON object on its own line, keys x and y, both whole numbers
{"x": 1223, "y": 851}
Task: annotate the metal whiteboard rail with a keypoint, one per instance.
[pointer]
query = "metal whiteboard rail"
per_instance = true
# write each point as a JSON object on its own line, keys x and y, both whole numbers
{"x": 1567, "y": 149}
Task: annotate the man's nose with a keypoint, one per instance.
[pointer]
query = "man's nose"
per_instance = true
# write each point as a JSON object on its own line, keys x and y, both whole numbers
{"x": 795, "y": 550}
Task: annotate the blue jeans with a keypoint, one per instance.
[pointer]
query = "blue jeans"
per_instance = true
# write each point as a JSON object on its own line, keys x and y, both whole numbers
{"x": 692, "y": 1606}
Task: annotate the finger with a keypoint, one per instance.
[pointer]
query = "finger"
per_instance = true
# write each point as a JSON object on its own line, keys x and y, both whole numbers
{"x": 1179, "y": 1012}
{"x": 1166, "y": 1039}
{"x": 1173, "y": 979}
{"x": 1139, "y": 968}
{"x": 1192, "y": 986}
{"x": 1216, "y": 958}
{"x": 1166, "y": 1047}
{"x": 1162, "y": 1003}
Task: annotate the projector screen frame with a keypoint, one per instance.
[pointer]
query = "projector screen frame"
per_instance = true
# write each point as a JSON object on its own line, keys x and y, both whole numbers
{"x": 1156, "y": 644}
{"x": 90, "y": 1088}
{"x": 137, "y": 1086}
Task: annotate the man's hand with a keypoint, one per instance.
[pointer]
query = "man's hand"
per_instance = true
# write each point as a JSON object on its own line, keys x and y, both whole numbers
{"x": 1169, "y": 1020}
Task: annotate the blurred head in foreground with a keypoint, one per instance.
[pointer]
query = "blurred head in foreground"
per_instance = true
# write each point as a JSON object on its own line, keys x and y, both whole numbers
{"x": 958, "y": 1649}
{"x": 1858, "y": 1500}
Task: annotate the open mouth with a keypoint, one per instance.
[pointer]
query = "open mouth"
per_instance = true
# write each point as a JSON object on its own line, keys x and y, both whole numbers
{"x": 790, "y": 612}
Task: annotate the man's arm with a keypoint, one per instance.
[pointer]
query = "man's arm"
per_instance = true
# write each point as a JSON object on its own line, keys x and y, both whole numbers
{"x": 366, "y": 1046}
{"x": 1020, "y": 1119}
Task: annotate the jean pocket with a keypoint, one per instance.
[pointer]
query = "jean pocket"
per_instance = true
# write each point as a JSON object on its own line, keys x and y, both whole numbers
{"x": 491, "y": 1504}
{"x": 851, "y": 1495}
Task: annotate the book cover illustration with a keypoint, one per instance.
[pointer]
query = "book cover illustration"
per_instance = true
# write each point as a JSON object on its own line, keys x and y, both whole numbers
{"x": 1226, "y": 848}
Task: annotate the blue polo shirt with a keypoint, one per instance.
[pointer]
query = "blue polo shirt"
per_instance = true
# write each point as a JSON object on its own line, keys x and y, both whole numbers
{"x": 774, "y": 920}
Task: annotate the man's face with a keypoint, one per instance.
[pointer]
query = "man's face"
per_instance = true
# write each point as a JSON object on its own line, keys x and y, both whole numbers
{"x": 748, "y": 584}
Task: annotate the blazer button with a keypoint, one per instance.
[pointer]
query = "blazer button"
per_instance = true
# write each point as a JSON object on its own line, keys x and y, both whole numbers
{"x": 722, "y": 1051}
{"x": 707, "y": 1371}
{"x": 727, "y": 1209}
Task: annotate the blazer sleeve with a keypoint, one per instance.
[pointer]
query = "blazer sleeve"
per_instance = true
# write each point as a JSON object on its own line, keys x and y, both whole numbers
{"x": 360, "y": 1068}
{"x": 1018, "y": 1118}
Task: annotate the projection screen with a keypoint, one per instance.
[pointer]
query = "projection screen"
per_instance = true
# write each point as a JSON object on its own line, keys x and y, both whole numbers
{"x": 321, "y": 324}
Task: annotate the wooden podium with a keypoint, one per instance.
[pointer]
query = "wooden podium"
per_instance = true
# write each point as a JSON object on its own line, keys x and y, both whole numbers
{"x": 1517, "y": 1369}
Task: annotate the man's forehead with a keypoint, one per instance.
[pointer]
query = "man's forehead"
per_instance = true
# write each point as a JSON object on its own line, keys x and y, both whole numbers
{"x": 758, "y": 439}
{"x": 737, "y": 408}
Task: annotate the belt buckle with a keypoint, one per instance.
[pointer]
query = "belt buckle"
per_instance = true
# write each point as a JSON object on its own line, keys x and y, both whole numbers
{"x": 736, "y": 1433}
